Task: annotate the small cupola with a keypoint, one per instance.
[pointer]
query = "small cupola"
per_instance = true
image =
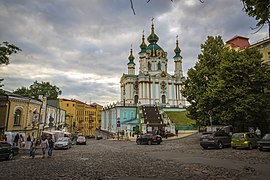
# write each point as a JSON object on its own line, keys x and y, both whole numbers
{"x": 131, "y": 57}
{"x": 152, "y": 38}
{"x": 177, "y": 50}
{"x": 143, "y": 46}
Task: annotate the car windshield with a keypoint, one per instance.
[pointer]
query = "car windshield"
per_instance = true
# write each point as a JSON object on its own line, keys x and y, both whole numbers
{"x": 62, "y": 139}
{"x": 266, "y": 137}
{"x": 81, "y": 138}
{"x": 238, "y": 136}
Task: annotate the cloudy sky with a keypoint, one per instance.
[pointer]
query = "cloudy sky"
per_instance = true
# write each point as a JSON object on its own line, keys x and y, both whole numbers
{"x": 83, "y": 46}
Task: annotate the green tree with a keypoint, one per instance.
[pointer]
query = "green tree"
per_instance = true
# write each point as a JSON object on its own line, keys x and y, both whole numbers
{"x": 6, "y": 49}
{"x": 36, "y": 89}
{"x": 260, "y": 10}
{"x": 228, "y": 83}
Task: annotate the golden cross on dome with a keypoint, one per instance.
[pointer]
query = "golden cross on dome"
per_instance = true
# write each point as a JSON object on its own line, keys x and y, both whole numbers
{"x": 152, "y": 20}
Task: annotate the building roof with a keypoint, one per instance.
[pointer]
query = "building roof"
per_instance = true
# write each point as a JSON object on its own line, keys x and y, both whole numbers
{"x": 238, "y": 42}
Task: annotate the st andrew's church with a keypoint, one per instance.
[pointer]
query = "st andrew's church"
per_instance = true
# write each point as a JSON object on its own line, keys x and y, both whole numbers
{"x": 147, "y": 95}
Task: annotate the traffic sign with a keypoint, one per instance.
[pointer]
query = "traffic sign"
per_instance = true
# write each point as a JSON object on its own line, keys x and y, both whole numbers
{"x": 118, "y": 122}
{"x": 210, "y": 113}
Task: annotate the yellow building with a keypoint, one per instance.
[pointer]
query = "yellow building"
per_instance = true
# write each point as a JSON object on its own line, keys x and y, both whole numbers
{"x": 264, "y": 47}
{"x": 70, "y": 107}
{"x": 81, "y": 118}
{"x": 19, "y": 114}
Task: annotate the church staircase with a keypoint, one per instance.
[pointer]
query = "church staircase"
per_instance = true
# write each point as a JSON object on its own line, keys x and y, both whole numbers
{"x": 151, "y": 115}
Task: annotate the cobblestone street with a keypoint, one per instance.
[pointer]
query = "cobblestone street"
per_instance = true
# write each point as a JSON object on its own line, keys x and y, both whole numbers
{"x": 173, "y": 159}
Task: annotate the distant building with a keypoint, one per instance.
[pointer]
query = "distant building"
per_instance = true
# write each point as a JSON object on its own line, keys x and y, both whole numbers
{"x": 144, "y": 95}
{"x": 264, "y": 47}
{"x": 238, "y": 43}
{"x": 81, "y": 118}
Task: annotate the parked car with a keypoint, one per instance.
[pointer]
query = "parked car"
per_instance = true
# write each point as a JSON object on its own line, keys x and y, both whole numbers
{"x": 8, "y": 151}
{"x": 99, "y": 137}
{"x": 216, "y": 139}
{"x": 264, "y": 143}
{"x": 149, "y": 139}
{"x": 81, "y": 140}
{"x": 244, "y": 140}
{"x": 63, "y": 143}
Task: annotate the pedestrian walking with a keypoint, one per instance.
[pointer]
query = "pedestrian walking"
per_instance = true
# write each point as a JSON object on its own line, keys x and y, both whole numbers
{"x": 21, "y": 141}
{"x": 5, "y": 137}
{"x": 44, "y": 144}
{"x": 16, "y": 140}
{"x": 50, "y": 147}
{"x": 28, "y": 142}
{"x": 33, "y": 148}
{"x": 258, "y": 132}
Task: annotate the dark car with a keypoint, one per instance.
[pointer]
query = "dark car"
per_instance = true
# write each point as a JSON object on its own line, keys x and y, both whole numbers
{"x": 217, "y": 139}
{"x": 264, "y": 143}
{"x": 81, "y": 140}
{"x": 149, "y": 139}
{"x": 8, "y": 151}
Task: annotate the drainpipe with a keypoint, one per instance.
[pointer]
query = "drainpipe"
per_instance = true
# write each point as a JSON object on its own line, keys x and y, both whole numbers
{"x": 8, "y": 111}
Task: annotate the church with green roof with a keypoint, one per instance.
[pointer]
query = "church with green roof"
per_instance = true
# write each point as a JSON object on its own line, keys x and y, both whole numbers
{"x": 153, "y": 85}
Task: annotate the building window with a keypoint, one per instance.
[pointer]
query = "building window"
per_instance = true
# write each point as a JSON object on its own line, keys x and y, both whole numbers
{"x": 67, "y": 105}
{"x": 125, "y": 115}
{"x": 268, "y": 57}
{"x": 17, "y": 117}
{"x": 136, "y": 99}
{"x": 132, "y": 115}
{"x": 163, "y": 99}
{"x": 159, "y": 66}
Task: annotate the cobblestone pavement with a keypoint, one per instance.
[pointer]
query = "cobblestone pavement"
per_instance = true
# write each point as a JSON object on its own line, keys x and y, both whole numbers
{"x": 174, "y": 159}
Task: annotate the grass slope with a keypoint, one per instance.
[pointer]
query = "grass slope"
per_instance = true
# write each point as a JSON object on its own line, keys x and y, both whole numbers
{"x": 180, "y": 118}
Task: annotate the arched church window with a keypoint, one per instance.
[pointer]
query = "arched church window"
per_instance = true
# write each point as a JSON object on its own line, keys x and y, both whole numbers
{"x": 17, "y": 117}
{"x": 163, "y": 99}
{"x": 159, "y": 66}
{"x": 136, "y": 99}
{"x": 149, "y": 66}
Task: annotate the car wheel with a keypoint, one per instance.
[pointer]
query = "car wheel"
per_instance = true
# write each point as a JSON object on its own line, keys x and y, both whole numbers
{"x": 260, "y": 149}
{"x": 149, "y": 142}
{"x": 158, "y": 142}
{"x": 249, "y": 146}
{"x": 10, "y": 156}
{"x": 233, "y": 147}
{"x": 220, "y": 145}
{"x": 138, "y": 142}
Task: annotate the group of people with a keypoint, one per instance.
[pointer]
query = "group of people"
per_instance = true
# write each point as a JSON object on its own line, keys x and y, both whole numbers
{"x": 18, "y": 140}
{"x": 45, "y": 143}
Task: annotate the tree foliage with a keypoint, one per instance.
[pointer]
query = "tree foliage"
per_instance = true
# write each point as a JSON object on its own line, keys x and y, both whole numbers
{"x": 36, "y": 89}
{"x": 6, "y": 49}
{"x": 229, "y": 83}
{"x": 260, "y": 10}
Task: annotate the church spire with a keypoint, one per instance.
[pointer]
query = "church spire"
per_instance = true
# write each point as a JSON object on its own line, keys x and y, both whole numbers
{"x": 177, "y": 50}
{"x": 131, "y": 57}
{"x": 143, "y": 46}
{"x": 152, "y": 38}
